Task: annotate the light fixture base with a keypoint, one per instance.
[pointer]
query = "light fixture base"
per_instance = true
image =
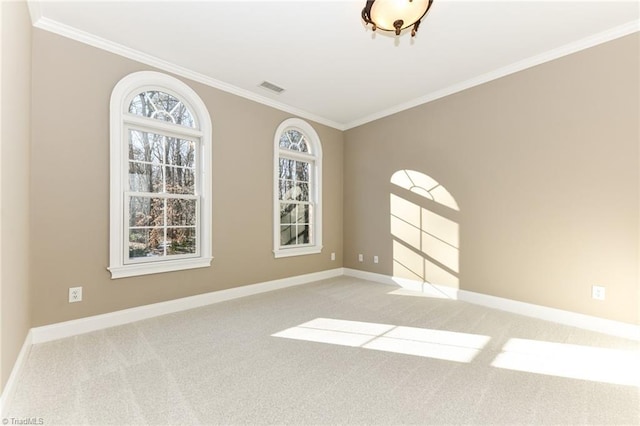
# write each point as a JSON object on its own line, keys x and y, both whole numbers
{"x": 395, "y": 15}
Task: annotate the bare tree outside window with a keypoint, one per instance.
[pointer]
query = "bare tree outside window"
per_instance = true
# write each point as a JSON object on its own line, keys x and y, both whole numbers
{"x": 160, "y": 198}
{"x": 294, "y": 181}
{"x": 162, "y": 181}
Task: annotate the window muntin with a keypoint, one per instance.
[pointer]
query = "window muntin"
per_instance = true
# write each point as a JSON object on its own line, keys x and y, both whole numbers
{"x": 297, "y": 207}
{"x": 160, "y": 163}
{"x": 160, "y": 177}
{"x": 162, "y": 200}
{"x": 293, "y": 140}
{"x": 161, "y": 106}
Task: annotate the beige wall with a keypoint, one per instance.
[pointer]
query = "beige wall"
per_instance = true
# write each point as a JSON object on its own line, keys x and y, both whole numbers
{"x": 72, "y": 84}
{"x": 15, "y": 89}
{"x": 544, "y": 165}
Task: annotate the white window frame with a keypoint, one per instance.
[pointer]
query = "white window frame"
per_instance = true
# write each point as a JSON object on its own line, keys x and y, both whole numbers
{"x": 121, "y": 121}
{"x": 315, "y": 190}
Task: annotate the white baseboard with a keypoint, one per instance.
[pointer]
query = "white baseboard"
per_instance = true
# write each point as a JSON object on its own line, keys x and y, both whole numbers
{"x": 574, "y": 319}
{"x": 10, "y": 387}
{"x": 439, "y": 291}
{"x": 98, "y": 322}
{"x": 586, "y": 322}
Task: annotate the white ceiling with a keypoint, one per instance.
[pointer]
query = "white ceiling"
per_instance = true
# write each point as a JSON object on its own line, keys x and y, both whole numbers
{"x": 334, "y": 69}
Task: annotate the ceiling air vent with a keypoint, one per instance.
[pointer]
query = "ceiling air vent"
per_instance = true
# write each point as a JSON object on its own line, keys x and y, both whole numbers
{"x": 272, "y": 87}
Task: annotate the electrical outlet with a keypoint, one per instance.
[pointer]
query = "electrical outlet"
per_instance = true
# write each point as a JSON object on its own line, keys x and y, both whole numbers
{"x": 598, "y": 292}
{"x": 375, "y": 259}
{"x": 360, "y": 258}
{"x": 75, "y": 294}
{"x": 333, "y": 256}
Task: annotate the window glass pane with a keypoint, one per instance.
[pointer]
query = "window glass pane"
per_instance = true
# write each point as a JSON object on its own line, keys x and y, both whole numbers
{"x": 287, "y": 189}
{"x": 302, "y": 170}
{"x": 161, "y": 106}
{"x": 287, "y": 235}
{"x": 180, "y": 180}
{"x": 302, "y": 214}
{"x": 181, "y": 212}
{"x": 294, "y": 141}
{"x": 284, "y": 141}
{"x": 293, "y": 136}
{"x": 155, "y": 149}
{"x": 181, "y": 241}
{"x": 146, "y": 242}
{"x": 287, "y": 168}
{"x": 288, "y": 213}
{"x": 147, "y": 147}
{"x": 294, "y": 191}
{"x": 293, "y": 182}
{"x": 180, "y": 152}
{"x": 303, "y": 234}
{"x": 138, "y": 243}
{"x": 146, "y": 211}
{"x": 302, "y": 192}
{"x": 282, "y": 189}
{"x": 294, "y": 234}
{"x": 145, "y": 177}
{"x": 294, "y": 224}
{"x": 147, "y": 237}
{"x": 289, "y": 138}
{"x": 302, "y": 146}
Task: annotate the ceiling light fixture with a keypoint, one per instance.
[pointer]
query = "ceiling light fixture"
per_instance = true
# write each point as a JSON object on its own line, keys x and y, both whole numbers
{"x": 395, "y": 15}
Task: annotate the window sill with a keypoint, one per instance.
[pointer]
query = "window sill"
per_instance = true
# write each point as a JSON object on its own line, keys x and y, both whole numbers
{"x": 123, "y": 271}
{"x": 297, "y": 251}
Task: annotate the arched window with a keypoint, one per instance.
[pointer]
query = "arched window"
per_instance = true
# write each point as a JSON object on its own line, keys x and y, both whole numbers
{"x": 297, "y": 189}
{"x": 160, "y": 177}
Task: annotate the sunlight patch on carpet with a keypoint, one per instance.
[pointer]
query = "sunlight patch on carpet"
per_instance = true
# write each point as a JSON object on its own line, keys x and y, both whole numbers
{"x": 424, "y": 342}
{"x": 571, "y": 361}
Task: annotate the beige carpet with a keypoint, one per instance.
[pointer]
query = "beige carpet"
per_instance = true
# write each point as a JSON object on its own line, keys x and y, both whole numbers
{"x": 340, "y": 351}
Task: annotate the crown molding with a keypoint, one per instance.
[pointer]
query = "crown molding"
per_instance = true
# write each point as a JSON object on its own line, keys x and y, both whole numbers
{"x": 73, "y": 33}
{"x": 35, "y": 11}
{"x": 567, "y": 49}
